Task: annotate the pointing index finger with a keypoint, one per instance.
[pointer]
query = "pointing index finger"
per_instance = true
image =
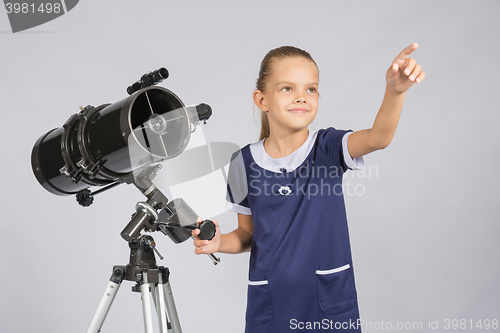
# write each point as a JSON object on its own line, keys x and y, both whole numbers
{"x": 406, "y": 52}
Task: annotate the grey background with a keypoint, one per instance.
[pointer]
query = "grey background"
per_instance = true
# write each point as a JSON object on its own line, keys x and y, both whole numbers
{"x": 425, "y": 233}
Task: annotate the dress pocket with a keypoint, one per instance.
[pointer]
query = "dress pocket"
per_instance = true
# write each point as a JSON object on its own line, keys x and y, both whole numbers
{"x": 336, "y": 291}
{"x": 259, "y": 305}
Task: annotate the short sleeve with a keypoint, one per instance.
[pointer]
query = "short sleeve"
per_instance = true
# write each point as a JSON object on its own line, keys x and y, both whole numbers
{"x": 357, "y": 163}
{"x": 237, "y": 186}
{"x": 334, "y": 144}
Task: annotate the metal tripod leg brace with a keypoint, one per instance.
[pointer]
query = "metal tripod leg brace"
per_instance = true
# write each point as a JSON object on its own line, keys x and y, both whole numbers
{"x": 143, "y": 270}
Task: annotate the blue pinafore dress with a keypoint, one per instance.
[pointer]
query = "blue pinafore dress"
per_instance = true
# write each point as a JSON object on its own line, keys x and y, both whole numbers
{"x": 301, "y": 272}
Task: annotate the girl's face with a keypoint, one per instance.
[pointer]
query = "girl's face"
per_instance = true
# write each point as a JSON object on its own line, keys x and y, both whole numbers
{"x": 291, "y": 95}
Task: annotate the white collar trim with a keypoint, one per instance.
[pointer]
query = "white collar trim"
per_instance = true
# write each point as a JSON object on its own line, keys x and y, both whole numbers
{"x": 289, "y": 162}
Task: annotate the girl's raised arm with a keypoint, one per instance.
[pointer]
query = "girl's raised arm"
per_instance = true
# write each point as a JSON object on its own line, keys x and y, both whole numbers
{"x": 403, "y": 73}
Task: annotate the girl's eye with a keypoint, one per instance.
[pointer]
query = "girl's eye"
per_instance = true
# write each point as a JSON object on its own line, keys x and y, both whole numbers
{"x": 287, "y": 89}
{"x": 312, "y": 90}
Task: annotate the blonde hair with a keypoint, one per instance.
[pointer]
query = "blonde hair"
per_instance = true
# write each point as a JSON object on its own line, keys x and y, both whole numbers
{"x": 265, "y": 71}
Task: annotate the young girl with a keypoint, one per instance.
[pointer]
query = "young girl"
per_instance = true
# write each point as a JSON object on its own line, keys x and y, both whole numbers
{"x": 287, "y": 191}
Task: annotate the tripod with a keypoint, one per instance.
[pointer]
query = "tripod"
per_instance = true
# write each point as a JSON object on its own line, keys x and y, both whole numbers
{"x": 176, "y": 220}
{"x": 148, "y": 276}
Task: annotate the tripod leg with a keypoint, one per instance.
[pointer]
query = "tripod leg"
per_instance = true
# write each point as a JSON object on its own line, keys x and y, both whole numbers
{"x": 146, "y": 303}
{"x": 164, "y": 285}
{"x": 161, "y": 309}
{"x": 106, "y": 300}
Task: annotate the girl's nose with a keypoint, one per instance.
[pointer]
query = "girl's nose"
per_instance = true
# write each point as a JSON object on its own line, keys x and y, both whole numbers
{"x": 300, "y": 100}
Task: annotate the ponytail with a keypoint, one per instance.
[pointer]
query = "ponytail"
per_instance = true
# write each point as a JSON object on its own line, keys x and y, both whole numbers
{"x": 264, "y": 129}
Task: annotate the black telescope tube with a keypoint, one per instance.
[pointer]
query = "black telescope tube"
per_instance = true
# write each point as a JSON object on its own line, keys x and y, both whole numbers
{"x": 93, "y": 147}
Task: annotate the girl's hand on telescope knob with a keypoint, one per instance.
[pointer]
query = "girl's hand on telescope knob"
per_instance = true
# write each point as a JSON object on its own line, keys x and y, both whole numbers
{"x": 204, "y": 246}
{"x": 404, "y": 72}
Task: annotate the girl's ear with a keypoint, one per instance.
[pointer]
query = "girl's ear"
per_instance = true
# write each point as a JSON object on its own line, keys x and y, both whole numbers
{"x": 260, "y": 100}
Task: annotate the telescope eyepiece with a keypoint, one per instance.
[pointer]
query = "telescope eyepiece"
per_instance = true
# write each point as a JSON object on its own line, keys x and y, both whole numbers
{"x": 155, "y": 77}
{"x": 149, "y": 79}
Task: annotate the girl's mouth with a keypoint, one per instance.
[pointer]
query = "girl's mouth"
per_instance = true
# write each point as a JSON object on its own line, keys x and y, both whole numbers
{"x": 298, "y": 110}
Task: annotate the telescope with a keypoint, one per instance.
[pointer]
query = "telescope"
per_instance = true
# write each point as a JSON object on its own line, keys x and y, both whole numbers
{"x": 125, "y": 142}
{"x": 94, "y": 147}
{"x": 117, "y": 143}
